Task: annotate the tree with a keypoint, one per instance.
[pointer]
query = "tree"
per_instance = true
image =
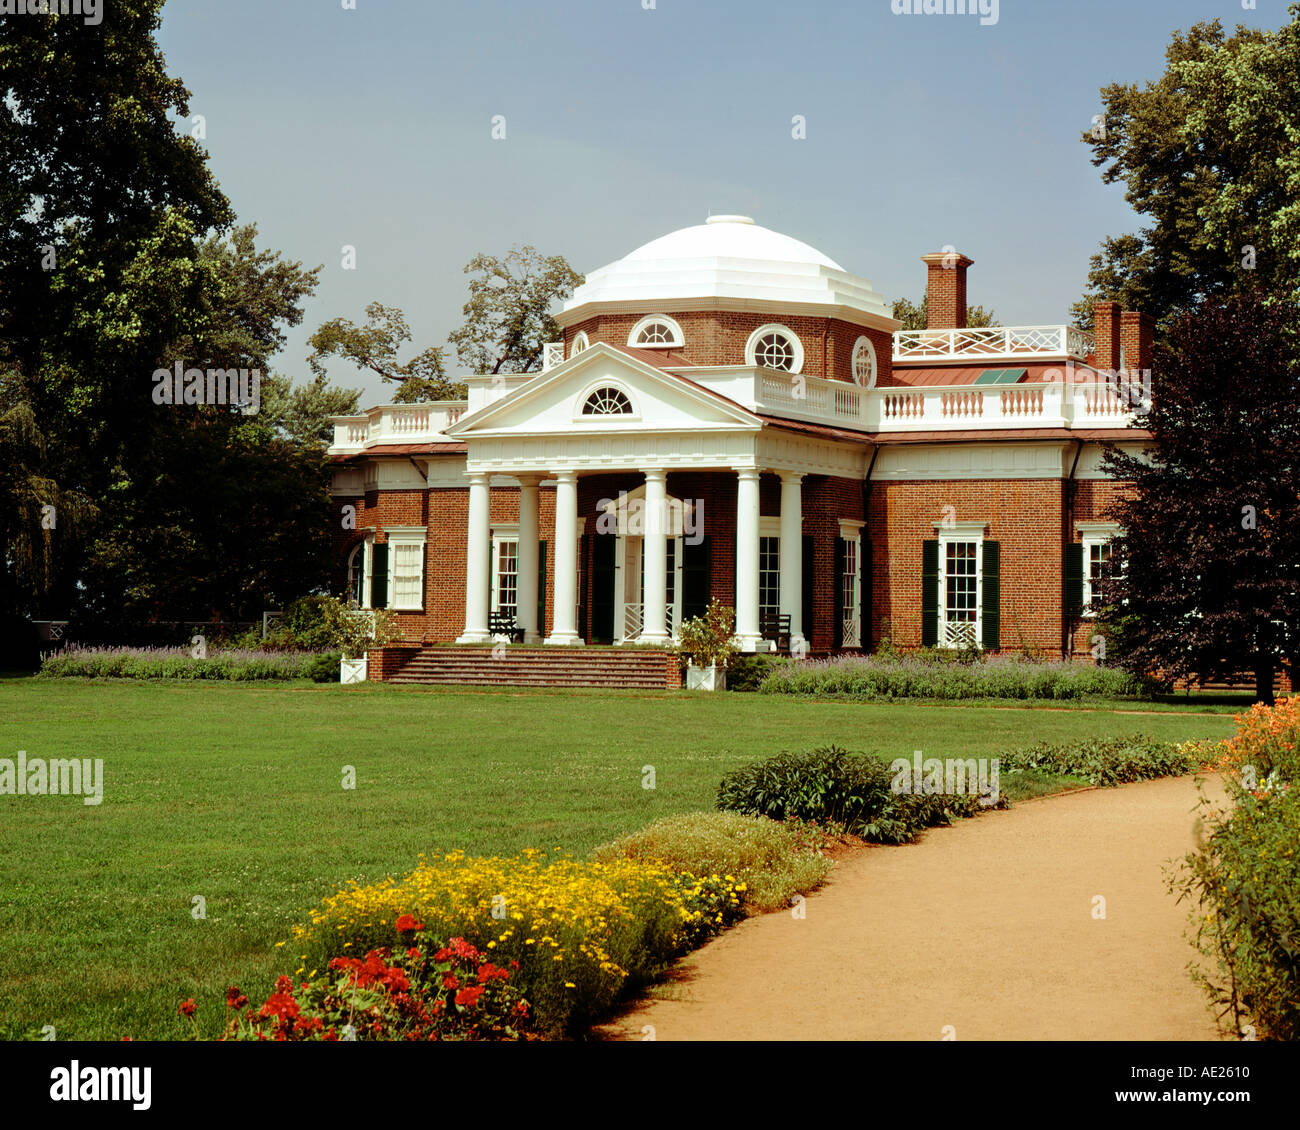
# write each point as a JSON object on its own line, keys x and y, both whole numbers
{"x": 1208, "y": 582}
{"x": 301, "y": 413}
{"x": 375, "y": 345}
{"x": 507, "y": 317}
{"x": 1210, "y": 155}
{"x": 916, "y": 317}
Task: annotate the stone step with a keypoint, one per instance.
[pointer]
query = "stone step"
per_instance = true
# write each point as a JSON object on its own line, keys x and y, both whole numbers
{"x": 540, "y": 667}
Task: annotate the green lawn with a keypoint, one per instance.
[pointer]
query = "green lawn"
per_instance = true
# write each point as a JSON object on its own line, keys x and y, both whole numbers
{"x": 233, "y": 793}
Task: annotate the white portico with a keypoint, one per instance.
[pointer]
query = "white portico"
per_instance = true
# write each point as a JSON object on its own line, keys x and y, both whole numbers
{"x": 605, "y": 411}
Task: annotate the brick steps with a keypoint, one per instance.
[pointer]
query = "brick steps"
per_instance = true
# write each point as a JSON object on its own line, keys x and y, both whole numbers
{"x": 540, "y": 667}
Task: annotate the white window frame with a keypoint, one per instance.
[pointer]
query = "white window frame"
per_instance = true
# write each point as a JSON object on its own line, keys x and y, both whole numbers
{"x": 1093, "y": 534}
{"x": 595, "y": 386}
{"x": 959, "y": 532}
{"x": 751, "y": 346}
{"x": 504, "y": 535}
{"x": 579, "y": 343}
{"x": 678, "y": 340}
{"x": 406, "y": 537}
{"x": 864, "y": 344}
{"x": 851, "y": 534}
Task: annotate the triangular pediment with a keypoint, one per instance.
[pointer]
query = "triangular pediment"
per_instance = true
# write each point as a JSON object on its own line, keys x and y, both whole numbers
{"x": 553, "y": 402}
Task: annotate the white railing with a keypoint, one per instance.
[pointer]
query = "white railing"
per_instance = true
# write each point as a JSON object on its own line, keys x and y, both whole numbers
{"x": 397, "y": 423}
{"x": 552, "y": 355}
{"x": 634, "y": 621}
{"x": 993, "y": 343}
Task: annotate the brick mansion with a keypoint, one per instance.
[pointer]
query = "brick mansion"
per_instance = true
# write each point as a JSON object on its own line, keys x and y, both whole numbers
{"x": 733, "y": 416}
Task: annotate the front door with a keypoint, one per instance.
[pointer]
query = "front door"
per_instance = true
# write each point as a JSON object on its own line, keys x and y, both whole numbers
{"x": 629, "y": 587}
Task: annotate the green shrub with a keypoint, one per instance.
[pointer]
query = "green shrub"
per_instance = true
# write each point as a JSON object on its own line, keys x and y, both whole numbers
{"x": 173, "y": 663}
{"x": 1112, "y": 761}
{"x": 323, "y": 668}
{"x": 832, "y": 785}
{"x": 771, "y": 861}
{"x": 747, "y": 672}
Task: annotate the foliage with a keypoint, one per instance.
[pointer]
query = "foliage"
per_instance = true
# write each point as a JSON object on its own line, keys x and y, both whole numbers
{"x": 1243, "y": 881}
{"x": 771, "y": 861}
{"x": 1112, "y": 761}
{"x": 581, "y": 932}
{"x": 708, "y": 640}
{"x": 832, "y": 785}
{"x": 942, "y": 674}
{"x": 507, "y": 317}
{"x": 375, "y": 345}
{"x": 323, "y": 668}
{"x": 416, "y": 991}
{"x": 747, "y": 672}
{"x": 916, "y": 316}
{"x": 1207, "y": 565}
{"x": 234, "y": 664}
{"x": 1208, "y": 154}
{"x": 354, "y": 631}
{"x": 302, "y": 414}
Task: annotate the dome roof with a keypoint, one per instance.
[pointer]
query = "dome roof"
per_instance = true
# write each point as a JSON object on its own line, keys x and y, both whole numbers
{"x": 728, "y": 262}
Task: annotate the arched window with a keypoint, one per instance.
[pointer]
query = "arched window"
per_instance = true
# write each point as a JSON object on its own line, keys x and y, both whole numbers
{"x": 607, "y": 401}
{"x": 864, "y": 363}
{"x": 657, "y": 331}
{"x": 356, "y": 575}
{"x": 774, "y": 347}
{"x": 580, "y": 343}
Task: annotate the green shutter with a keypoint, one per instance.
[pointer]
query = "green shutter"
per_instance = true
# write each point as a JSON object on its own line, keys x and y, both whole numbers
{"x": 695, "y": 577}
{"x": 541, "y": 588}
{"x": 930, "y": 593}
{"x": 379, "y": 576}
{"x": 992, "y": 595}
{"x": 837, "y": 580}
{"x": 1074, "y": 580}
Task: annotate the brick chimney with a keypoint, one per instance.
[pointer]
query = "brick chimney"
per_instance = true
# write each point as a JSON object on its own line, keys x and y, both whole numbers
{"x": 946, "y": 290}
{"x": 1137, "y": 333}
{"x": 1105, "y": 316}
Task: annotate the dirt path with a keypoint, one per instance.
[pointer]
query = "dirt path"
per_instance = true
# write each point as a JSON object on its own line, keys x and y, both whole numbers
{"x": 986, "y": 926}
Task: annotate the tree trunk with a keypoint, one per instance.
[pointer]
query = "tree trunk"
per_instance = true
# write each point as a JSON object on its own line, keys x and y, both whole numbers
{"x": 1264, "y": 680}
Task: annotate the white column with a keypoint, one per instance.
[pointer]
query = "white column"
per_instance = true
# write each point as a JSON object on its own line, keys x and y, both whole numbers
{"x": 792, "y": 556}
{"x": 528, "y": 535}
{"x": 654, "y": 618}
{"x": 747, "y": 560}
{"x": 478, "y": 547}
{"x": 564, "y": 625}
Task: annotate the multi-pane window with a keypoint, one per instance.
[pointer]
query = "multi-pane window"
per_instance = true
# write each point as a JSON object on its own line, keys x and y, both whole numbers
{"x": 769, "y": 576}
{"x": 506, "y": 594}
{"x": 1097, "y": 562}
{"x": 864, "y": 363}
{"x": 849, "y": 594}
{"x": 959, "y": 588}
{"x": 656, "y": 333}
{"x": 607, "y": 402}
{"x": 408, "y": 574}
{"x": 356, "y": 576}
{"x": 774, "y": 351}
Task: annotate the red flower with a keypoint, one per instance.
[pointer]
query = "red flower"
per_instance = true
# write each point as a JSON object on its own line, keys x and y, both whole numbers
{"x": 469, "y": 997}
{"x": 187, "y": 1007}
{"x": 451, "y": 981}
{"x": 407, "y": 923}
{"x": 442, "y": 955}
{"x": 414, "y": 951}
{"x": 461, "y": 948}
{"x": 234, "y": 998}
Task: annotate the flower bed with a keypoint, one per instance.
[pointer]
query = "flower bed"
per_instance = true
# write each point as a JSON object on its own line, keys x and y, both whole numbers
{"x": 940, "y": 675}
{"x": 582, "y": 933}
{"x": 236, "y": 664}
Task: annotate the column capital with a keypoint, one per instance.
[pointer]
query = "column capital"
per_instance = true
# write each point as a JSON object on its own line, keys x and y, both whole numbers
{"x": 565, "y": 476}
{"x": 478, "y": 478}
{"x": 529, "y": 480}
{"x": 749, "y": 474}
{"x": 792, "y": 478}
{"x": 658, "y": 474}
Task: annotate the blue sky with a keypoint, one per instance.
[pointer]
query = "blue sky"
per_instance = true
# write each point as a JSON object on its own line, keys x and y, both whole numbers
{"x": 373, "y": 127}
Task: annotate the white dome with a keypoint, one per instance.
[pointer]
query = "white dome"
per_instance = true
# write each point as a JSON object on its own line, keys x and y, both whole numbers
{"x": 731, "y": 237}
{"x": 732, "y": 263}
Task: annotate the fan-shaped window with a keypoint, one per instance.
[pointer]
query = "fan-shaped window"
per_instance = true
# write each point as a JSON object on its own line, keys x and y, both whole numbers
{"x": 607, "y": 402}
{"x": 580, "y": 343}
{"x": 775, "y": 347}
{"x": 655, "y": 332}
{"x": 864, "y": 363}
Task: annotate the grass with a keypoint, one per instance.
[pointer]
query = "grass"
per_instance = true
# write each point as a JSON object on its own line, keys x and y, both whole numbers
{"x": 232, "y": 792}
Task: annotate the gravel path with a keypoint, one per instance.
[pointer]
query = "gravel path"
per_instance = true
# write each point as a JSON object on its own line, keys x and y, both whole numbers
{"x": 987, "y": 927}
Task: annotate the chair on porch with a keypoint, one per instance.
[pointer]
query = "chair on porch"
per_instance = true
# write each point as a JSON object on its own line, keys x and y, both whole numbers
{"x": 776, "y": 627}
{"x": 503, "y": 624}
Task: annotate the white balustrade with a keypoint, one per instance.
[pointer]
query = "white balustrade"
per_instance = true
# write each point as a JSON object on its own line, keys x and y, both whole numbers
{"x": 989, "y": 342}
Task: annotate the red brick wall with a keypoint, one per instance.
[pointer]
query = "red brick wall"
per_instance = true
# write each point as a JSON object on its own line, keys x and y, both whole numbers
{"x": 1093, "y": 499}
{"x": 1023, "y": 515}
{"x": 719, "y": 338}
{"x": 946, "y": 291}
